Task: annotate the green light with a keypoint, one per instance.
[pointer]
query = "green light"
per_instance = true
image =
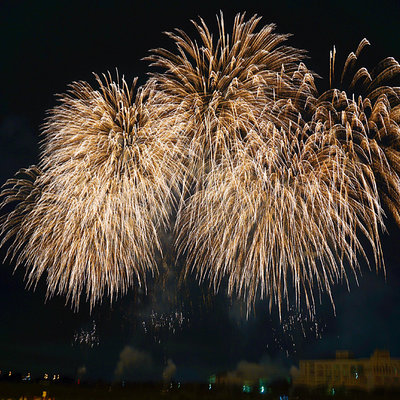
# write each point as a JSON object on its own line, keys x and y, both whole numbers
{"x": 246, "y": 389}
{"x": 262, "y": 389}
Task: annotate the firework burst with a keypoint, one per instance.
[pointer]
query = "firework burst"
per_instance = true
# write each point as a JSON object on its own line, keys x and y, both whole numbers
{"x": 362, "y": 109}
{"x": 281, "y": 187}
{"x": 90, "y": 219}
{"x": 220, "y": 88}
{"x": 286, "y": 197}
{"x": 287, "y": 214}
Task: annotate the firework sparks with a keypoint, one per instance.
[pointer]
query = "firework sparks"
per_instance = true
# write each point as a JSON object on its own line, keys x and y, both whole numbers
{"x": 159, "y": 324}
{"x": 219, "y": 89}
{"x": 90, "y": 218}
{"x": 294, "y": 327}
{"x": 363, "y": 111}
{"x": 87, "y": 337}
{"x": 287, "y": 214}
{"x": 286, "y": 203}
{"x": 278, "y": 183}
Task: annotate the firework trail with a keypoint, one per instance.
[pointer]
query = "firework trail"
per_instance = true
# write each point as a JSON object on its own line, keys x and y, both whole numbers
{"x": 89, "y": 220}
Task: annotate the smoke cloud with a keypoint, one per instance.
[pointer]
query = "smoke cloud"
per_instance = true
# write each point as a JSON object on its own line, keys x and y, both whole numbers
{"x": 294, "y": 371}
{"x": 266, "y": 369}
{"x": 169, "y": 371}
{"x": 81, "y": 371}
{"x": 133, "y": 364}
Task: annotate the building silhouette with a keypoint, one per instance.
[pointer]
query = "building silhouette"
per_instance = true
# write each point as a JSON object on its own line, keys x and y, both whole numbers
{"x": 380, "y": 371}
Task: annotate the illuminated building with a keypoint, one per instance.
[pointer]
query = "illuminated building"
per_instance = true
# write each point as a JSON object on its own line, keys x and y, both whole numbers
{"x": 378, "y": 371}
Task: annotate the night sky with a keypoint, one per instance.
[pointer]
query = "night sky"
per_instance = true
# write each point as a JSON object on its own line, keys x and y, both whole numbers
{"x": 44, "y": 46}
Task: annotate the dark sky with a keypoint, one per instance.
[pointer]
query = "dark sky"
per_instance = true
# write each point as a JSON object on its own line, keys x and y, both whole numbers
{"x": 44, "y": 45}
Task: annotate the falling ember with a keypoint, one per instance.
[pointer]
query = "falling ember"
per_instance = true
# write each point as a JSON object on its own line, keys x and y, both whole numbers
{"x": 87, "y": 337}
{"x": 294, "y": 327}
{"x": 158, "y": 325}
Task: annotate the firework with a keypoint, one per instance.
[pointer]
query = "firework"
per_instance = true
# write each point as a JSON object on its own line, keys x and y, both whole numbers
{"x": 159, "y": 324}
{"x": 282, "y": 199}
{"x": 24, "y": 191}
{"x": 363, "y": 111}
{"x": 293, "y": 328}
{"x": 286, "y": 215}
{"x": 109, "y": 167}
{"x": 220, "y": 88}
{"x": 87, "y": 337}
{"x": 280, "y": 186}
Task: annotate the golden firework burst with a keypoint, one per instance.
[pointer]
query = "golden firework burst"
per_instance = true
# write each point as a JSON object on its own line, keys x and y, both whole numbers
{"x": 220, "y": 88}
{"x": 280, "y": 186}
{"x": 363, "y": 109}
{"x": 109, "y": 167}
{"x": 285, "y": 215}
